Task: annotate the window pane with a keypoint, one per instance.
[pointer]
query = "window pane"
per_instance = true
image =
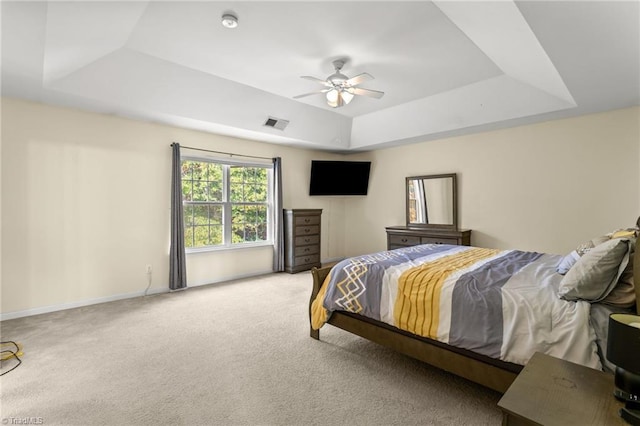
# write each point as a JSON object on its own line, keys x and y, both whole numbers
{"x": 199, "y": 190}
{"x": 261, "y": 192}
{"x": 186, "y": 190}
{"x": 201, "y": 236}
{"x": 199, "y": 171}
{"x": 250, "y": 193}
{"x": 188, "y": 215}
{"x": 201, "y": 215}
{"x": 188, "y": 236}
{"x": 236, "y": 173}
{"x": 261, "y": 175}
{"x": 215, "y": 191}
{"x": 262, "y": 232}
{"x": 249, "y": 214}
{"x": 250, "y": 232}
{"x": 215, "y": 172}
{"x": 261, "y": 214}
{"x": 215, "y": 235}
{"x": 187, "y": 170}
{"x": 250, "y": 174}
{"x": 237, "y": 214}
{"x": 215, "y": 215}
{"x": 236, "y": 193}
{"x": 237, "y": 233}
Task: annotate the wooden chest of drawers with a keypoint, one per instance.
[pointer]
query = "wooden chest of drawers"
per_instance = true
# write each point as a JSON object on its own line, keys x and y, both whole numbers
{"x": 402, "y": 236}
{"x": 301, "y": 239}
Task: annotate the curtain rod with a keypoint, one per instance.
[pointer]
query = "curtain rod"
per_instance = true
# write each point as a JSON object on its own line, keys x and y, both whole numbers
{"x": 225, "y": 153}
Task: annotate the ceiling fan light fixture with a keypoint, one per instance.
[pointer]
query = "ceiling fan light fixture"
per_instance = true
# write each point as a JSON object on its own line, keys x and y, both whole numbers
{"x": 229, "y": 20}
{"x": 346, "y": 96}
{"x": 332, "y": 98}
{"x": 340, "y": 89}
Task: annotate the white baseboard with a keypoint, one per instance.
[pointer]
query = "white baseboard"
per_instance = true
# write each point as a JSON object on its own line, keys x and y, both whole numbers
{"x": 227, "y": 279}
{"x": 70, "y": 305}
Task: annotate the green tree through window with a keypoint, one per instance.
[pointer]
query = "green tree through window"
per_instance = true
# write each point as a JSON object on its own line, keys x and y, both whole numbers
{"x": 225, "y": 204}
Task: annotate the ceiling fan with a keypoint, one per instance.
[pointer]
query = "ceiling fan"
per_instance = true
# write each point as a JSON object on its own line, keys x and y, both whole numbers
{"x": 341, "y": 89}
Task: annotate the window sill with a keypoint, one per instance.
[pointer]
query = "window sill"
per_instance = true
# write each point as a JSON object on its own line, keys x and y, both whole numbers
{"x": 228, "y": 248}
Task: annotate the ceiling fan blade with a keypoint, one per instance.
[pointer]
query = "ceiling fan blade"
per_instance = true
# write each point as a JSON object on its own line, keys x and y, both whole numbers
{"x": 365, "y": 92}
{"x": 311, "y": 93}
{"x": 360, "y": 78}
{"x": 317, "y": 80}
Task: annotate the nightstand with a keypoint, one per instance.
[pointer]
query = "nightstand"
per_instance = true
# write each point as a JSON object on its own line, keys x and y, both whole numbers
{"x": 550, "y": 391}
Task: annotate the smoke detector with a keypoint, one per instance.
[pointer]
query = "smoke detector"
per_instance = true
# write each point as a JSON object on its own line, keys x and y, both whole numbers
{"x": 229, "y": 20}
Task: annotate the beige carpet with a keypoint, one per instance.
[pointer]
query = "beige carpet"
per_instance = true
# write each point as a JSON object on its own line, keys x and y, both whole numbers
{"x": 229, "y": 354}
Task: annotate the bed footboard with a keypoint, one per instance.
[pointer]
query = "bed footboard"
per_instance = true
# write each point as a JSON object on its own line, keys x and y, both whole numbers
{"x": 319, "y": 274}
{"x": 497, "y": 375}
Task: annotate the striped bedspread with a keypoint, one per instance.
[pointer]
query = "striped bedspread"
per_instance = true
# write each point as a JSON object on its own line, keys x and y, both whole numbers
{"x": 499, "y": 303}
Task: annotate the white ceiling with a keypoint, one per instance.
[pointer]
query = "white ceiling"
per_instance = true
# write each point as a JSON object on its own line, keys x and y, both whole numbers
{"x": 446, "y": 67}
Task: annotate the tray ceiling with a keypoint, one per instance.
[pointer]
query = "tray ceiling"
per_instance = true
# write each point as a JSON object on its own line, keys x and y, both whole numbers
{"x": 446, "y": 67}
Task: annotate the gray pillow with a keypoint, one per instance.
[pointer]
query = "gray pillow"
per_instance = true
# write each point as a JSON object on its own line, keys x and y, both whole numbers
{"x": 596, "y": 273}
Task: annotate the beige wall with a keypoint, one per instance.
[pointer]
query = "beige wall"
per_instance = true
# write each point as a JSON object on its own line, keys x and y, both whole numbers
{"x": 86, "y": 206}
{"x": 85, "y": 197}
{"x": 542, "y": 187}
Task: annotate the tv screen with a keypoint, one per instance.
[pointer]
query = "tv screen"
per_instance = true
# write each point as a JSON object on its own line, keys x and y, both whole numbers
{"x": 339, "y": 177}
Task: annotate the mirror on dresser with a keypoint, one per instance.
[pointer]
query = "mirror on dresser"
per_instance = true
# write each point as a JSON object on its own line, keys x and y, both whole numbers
{"x": 432, "y": 214}
{"x": 432, "y": 201}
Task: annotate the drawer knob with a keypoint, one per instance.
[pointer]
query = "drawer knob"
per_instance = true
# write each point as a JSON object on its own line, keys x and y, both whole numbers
{"x": 307, "y": 230}
{"x": 404, "y": 240}
{"x": 307, "y": 249}
{"x": 306, "y": 240}
{"x": 307, "y": 220}
{"x": 306, "y": 259}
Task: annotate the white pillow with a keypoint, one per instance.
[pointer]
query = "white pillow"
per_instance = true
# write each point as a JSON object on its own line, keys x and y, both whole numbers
{"x": 567, "y": 262}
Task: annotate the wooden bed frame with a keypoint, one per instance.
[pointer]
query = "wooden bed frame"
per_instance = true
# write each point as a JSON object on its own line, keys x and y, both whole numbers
{"x": 489, "y": 372}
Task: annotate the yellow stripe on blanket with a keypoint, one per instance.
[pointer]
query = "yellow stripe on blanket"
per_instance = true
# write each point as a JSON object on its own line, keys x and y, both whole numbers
{"x": 417, "y": 306}
{"x": 319, "y": 315}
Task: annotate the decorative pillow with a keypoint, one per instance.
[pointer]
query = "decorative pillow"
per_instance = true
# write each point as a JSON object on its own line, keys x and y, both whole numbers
{"x": 596, "y": 273}
{"x": 623, "y": 233}
{"x": 624, "y": 294}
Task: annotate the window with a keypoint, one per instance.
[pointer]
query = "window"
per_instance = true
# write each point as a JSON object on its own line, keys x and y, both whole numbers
{"x": 226, "y": 204}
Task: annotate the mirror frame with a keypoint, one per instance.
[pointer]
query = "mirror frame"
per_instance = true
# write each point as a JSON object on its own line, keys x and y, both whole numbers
{"x": 454, "y": 225}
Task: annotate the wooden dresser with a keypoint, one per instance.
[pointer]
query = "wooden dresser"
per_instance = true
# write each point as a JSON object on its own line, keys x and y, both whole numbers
{"x": 403, "y": 236}
{"x": 301, "y": 239}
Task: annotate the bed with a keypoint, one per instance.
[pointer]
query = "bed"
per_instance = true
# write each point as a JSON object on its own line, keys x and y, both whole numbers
{"x": 378, "y": 297}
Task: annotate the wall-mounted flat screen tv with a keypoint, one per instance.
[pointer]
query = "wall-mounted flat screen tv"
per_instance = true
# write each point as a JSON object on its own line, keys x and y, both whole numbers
{"x": 339, "y": 177}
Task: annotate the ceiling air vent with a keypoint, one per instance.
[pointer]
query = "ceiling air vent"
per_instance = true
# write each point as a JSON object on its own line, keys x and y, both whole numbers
{"x": 276, "y": 123}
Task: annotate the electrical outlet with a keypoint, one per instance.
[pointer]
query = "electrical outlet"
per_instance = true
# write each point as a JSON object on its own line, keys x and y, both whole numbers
{"x": 149, "y": 269}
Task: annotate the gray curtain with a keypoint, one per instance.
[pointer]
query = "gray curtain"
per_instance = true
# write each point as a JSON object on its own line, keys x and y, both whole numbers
{"x": 177, "y": 257}
{"x": 278, "y": 231}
